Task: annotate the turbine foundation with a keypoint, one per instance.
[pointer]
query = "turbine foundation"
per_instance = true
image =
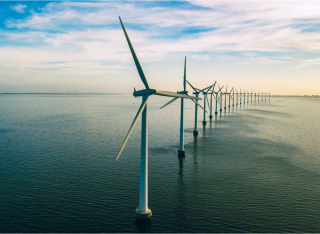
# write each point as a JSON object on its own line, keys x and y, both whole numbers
{"x": 143, "y": 215}
{"x": 181, "y": 152}
{"x": 204, "y": 122}
{"x": 210, "y": 116}
{"x": 195, "y": 133}
{"x": 216, "y": 112}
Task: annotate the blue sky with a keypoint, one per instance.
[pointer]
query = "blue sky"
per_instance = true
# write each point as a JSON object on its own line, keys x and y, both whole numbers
{"x": 60, "y": 46}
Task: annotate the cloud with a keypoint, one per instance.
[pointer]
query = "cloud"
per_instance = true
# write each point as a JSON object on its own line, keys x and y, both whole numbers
{"x": 244, "y": 63}
{"x": 88, "y": 37}
{"x": 19, "y": 8}
{"x": 308, "y": 62}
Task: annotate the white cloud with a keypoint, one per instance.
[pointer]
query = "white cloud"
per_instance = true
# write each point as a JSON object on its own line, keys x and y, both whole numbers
{"x": 19, "y": 8}
{"x": 87, "y": 36}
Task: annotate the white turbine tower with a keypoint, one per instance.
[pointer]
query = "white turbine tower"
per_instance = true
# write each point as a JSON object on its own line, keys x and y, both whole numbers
{"x": 217, "y": 98}
{"x": 181, "y": 150}
{"x": 196, "y": 92}
{"x": 143, "y": 210}
{"x": 229, "y": 96}
{"x": 212, "y": 91}
{"x": 237, "y": 97}
{"x": 205, "y": 98}
{"x": 221, "y": 100}
{"x": 233, "y": 97}
{"x": 225, "y": 98}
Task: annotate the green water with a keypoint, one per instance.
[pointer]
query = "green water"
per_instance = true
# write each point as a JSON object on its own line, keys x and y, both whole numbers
{"x": 254, "y": 168}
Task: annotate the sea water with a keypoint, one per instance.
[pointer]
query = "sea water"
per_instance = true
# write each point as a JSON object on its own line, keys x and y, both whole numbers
{"x": 254, "y": 168}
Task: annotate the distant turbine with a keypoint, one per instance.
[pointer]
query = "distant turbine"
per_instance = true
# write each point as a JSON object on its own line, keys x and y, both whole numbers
{"x": 244, "y": 97}
{"x": 196, "y": 92}
{"x": 217, "y": 98}
{"x": 205, "y": 92}
{"x": 225, "y": 98}
{"x": 233, "y": 97}
{"x": 269, "y": 95}
{"x": 181, "y": 150}
{"x": 143, "y": 211}
{"x": 265, "y": 97}
{"x": 237, "y": 96}
{"x": 229, "y": 96}
{"x": 240, "y": 96}
{"x": 212, "y": 92}
{"x": 251, "y": 95}
{"x": 221, "y": 100}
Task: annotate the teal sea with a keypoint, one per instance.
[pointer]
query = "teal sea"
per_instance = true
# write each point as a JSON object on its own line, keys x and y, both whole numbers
{"x": 254, "y": 168}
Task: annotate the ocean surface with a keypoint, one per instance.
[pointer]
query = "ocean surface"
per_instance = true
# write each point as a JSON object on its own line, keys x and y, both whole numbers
{"x": 254, "y": 168}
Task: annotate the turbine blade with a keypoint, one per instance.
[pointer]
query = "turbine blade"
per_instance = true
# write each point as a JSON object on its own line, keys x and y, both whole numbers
{"x": 220, "y": 88}
{"x": 171, "y": 94}
{"x": 208, "y": 101}
{"x": 198, "y": 104}
{"x": 135, "y": 58}
{"x": 214, "y": 85}
{"x": 192, "y": 86}
{"x": 134, "y": 123}
{"x": 206, "y": 88}
{"x": 169, "y": 102}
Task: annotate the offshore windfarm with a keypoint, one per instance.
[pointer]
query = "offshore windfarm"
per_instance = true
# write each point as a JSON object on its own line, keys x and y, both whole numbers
{"x": 143, "y": 212}
{"x": 178, "y": 117}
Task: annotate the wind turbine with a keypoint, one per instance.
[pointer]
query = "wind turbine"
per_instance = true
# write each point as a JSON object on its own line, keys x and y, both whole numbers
{"x": 262, "y": 96}
{"x": 225, "y": 98}
{"x": 233, "y": 97}
{"x": 240, "y": 96}
{"x": 269, "y": 95}
{"x": 244, "y": 97}
{"x": 237, "y": 96}
{"x": 221, "y": 100}
{"x": 143, "y": 211}
{"x": 258, "y": 96}
{"x": 251, "y": 95}
{"x": 205, "y": 92}
{"x": 265, "y": 97}
{"x": 196, "y": 92}
{"x": 181, "y": 150}
{"x": 217, "y": 98}
{"x": 255, "y": 96}
{"x": 229, "y": 96}
{"x": 212, "y": 91}
{"x": 247, "y": 96}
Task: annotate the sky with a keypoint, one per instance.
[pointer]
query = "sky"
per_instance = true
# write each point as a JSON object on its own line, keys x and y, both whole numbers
{"x": 68, "y": 46}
